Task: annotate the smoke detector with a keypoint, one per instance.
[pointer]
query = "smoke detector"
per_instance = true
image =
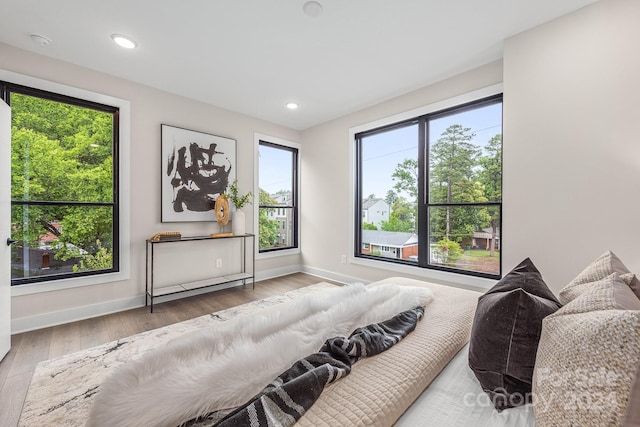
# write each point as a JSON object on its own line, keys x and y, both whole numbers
{"x": 312, "y": 9}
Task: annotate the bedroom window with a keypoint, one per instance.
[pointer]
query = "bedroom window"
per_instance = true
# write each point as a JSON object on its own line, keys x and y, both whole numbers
{"x": 64, "y": 181}
{"x": 278, "y": 195}
{"x": 441, "y": 176}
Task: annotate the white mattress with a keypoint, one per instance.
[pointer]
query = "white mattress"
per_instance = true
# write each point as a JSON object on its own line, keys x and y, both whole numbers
{"x": 455, "y": 399}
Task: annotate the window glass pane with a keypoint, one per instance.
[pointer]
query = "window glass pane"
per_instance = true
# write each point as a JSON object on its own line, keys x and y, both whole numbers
{"x": 277, "y": 212}
{"x": 62, "y": 186}
{"x": 276, "y": 228}
{"x": 276, "y": 174}
{"x": 460, "y": 203}
{"x": 465, "y": 156}
{"x": 465, "y": 237}
{"x": 56, "y": 240}
{"x": 389, "y": 183}
{"x": 60, "y": 151}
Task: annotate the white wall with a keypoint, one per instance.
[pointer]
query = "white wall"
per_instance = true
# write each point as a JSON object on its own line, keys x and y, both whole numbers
{"x": 572, "y": 145}
{"x": 149, "y": 108}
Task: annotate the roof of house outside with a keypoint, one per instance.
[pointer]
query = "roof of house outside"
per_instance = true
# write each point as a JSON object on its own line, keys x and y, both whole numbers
{"x": 281, "y": 197}
{"x": 367, "y": 203}
{"x": 389, "y": 238}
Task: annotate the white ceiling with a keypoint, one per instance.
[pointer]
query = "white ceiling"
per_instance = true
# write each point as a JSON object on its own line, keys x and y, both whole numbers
{"x": 254, "y": 56}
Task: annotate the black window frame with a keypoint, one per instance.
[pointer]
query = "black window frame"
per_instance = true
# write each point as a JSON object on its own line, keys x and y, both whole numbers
{"x": 424, "y": 203}
{"x": 6, "y": 89}
{"x": 294, "y": 197}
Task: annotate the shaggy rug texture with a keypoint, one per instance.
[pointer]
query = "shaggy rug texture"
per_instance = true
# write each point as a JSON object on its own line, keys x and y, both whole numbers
{"x": 222, "y": 367}
{"x": 63, "y": 389}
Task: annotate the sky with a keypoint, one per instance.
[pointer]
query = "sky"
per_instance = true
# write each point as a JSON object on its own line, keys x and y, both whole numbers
{"x": 275, "y": 169}
{"x": 382, "y": 152}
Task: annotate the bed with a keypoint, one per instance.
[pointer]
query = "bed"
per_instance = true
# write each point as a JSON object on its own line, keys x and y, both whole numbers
{"x": 584, "y": 357}
{"x": 426, "y": 378}
{"x": 377, "y": 391}
{"x": 402, "y": 372}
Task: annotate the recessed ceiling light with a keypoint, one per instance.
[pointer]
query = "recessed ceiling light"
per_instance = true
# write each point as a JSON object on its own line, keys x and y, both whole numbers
{"x": 123, "y": 41}
{"x": 312, "y": 8}
{"x": 292, "y": 105}
{"x": 40, "y": 39}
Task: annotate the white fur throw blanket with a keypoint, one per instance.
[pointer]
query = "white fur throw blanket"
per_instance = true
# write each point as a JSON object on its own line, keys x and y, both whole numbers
{"x": 224, "y": 366}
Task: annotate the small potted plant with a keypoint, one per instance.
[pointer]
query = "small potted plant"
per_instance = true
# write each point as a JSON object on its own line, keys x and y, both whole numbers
{"x": 239, "y": 201}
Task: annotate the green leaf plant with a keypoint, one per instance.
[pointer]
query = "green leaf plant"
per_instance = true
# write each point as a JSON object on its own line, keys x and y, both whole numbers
{"x": 238, "y": 200}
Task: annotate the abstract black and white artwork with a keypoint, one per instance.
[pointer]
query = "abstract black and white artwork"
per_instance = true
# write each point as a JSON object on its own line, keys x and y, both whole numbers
{"x": 196, "y": 168}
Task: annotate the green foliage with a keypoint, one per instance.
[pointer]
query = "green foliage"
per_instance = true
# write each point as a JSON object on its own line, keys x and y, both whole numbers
{"x": 460, "y": 222}
{"x": 452, "y": 159}
{"x": 452, "y": 179}
{"x": 62, "y": 152}
{"x": 447, "y": 251}
{"x": 406, "y": 178}
{"x": 102, "y": 259}
{"x": 459, "y": 173}
{"x": 368, "y": 226}
{"x": 391, "y": 197}
{"x": 404, "y": 213}
{"x": 491, "y": 177}
{"x": 490, "y": 174}
{"x": 236, "y": 198}
{"x": 267, "y": 228}
{"x": 402, "y": 217}
{"x": 264, "y": 199}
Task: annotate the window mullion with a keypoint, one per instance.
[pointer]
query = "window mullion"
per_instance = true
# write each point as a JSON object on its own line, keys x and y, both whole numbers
{"x": 423, "y": 193}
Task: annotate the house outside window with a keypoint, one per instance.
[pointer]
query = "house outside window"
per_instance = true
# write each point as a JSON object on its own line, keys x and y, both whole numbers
{"x": 374, "y": 211}
{"x": 64, "y": 186}
{"x": 278, "y": 195}
{"x": 441, "y": 176}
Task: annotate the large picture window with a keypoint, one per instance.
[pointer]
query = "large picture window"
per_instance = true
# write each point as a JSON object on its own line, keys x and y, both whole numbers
{"x": 429, "y": 190}
{"x": 64, "y": 181}
{"x": 278, "y": 198}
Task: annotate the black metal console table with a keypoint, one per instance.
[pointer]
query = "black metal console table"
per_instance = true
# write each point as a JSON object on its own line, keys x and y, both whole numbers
{"x": 243, "y": 275}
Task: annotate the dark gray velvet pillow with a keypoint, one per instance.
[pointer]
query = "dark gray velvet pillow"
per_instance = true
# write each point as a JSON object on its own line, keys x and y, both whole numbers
{"x": 505, "y": 334}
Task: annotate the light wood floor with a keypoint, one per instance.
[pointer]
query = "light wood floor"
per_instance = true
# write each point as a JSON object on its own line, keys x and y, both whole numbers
{"x": 30, "y": 348}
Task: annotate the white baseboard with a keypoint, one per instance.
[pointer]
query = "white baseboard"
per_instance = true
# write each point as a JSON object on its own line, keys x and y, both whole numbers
{"x": 45, "y": 320}
{"x": 278, "y": 272}
{"x": 330, "y": 275}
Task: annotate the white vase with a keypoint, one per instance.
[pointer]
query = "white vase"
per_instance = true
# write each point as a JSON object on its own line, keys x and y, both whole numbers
{"x": 237, "y": 223}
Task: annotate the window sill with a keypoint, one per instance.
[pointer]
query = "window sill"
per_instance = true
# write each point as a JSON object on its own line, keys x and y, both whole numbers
{"x": 442, "y": 277}
{"x": 57, "y": 285}
{"x": 276, "y": 254}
